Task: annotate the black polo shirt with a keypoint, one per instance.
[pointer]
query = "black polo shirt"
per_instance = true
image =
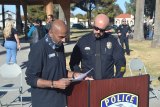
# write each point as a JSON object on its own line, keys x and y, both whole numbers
{"x": 48, "y": 64}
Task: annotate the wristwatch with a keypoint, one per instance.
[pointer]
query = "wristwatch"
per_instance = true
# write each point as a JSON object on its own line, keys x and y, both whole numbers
{"x": 52, "y": 84}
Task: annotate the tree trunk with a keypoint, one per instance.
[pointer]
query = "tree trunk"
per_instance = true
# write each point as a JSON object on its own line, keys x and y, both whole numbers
{"x": 19, "y": 25}
{"x": 156, "y": 36}
{"x": 90, "y": 17}
{"x": 138, "y": 28}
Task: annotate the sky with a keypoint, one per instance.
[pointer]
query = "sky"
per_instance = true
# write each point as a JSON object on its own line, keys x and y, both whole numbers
{"x": 77, "y": 10}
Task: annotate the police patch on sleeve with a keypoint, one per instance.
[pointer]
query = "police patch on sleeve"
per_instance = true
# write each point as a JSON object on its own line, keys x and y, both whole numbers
{"x": 120, "y": 100}
{"x": 109, "y": 45}
{"x": 122, "y": 69}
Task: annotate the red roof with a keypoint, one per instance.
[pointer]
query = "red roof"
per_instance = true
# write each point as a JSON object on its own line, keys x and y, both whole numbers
{"x": 124, "y": 16}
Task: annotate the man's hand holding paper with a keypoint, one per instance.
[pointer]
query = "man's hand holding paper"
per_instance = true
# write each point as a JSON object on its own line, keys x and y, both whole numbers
{"x": 82, "y": 76}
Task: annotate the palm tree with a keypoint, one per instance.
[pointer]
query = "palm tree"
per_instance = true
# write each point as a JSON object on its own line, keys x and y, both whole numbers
{"x": 138, "y": 29}
{"x": 156, "y": 37}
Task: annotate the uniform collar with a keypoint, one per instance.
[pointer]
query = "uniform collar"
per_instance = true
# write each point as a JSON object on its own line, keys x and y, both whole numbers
{"x": 94, "y": 38}
{"x": 51, "y": 42}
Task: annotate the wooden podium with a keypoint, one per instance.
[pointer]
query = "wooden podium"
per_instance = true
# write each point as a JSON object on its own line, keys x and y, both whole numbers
{"x": 98, "y": 93}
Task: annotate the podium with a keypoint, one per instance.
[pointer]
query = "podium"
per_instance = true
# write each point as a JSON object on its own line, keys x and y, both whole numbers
{"x": 130, "y": 91}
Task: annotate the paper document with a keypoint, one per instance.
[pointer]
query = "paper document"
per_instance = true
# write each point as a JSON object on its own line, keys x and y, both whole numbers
{"x": 82, "y": 76}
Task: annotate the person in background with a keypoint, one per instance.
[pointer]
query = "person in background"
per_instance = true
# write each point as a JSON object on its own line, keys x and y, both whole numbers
{"x": 123, "y": 34}
{"x": 145, "y": 28}
{"x": 12, "y": 42}
{"x": 46, "y": 71}
{"x": 34, "y": 32}
{"x": 99, "y": 50}
{"x": 41, "y": 30}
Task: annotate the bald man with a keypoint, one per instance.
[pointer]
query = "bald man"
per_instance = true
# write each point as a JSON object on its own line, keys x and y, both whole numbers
{"x": 46, "y": 71}
{"x": 123, "y": 34}
{"x": 100, "y": 51}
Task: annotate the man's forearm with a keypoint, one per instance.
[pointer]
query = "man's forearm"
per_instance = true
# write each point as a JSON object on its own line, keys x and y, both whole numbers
{"x": 41, "y": 83}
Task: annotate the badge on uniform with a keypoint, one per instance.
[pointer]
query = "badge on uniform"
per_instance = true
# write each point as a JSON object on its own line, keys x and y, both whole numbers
{"x": 51, "y": 55}
{"x": 109, "y": 45}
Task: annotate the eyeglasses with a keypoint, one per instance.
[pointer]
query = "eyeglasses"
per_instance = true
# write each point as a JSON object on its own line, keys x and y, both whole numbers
{"x": 97, "y": 28}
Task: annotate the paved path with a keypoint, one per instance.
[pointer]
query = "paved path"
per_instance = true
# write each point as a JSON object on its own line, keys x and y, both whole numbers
{"x": 22, "y": 58}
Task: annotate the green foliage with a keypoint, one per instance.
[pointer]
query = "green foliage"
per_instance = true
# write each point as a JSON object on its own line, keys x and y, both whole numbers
{"x": 131, "y": 7}
{"x": 36, "y": 11}
{"x": 94, "y": 7}
{"x": 80, "y": 16}
{"x": 149, "y": 7}
{"x": 109, "y": 8}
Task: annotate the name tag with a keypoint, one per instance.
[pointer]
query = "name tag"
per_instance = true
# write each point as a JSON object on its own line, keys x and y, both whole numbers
{"x": 51, "y": 55}
{"x": 87, "y": 48}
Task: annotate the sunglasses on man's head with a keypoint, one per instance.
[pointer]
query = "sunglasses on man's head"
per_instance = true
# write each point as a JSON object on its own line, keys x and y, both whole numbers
{"x": 97, "y": 28}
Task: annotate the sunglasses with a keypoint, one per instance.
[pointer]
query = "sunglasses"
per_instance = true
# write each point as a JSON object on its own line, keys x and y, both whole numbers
{"x": 97, "y": 28}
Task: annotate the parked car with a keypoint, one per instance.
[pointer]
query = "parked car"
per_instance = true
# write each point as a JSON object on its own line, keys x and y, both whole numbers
{"x": 78, "y": 26}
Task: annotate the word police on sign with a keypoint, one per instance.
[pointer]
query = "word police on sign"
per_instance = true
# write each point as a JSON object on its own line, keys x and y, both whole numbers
{"x": 120, "y": 100}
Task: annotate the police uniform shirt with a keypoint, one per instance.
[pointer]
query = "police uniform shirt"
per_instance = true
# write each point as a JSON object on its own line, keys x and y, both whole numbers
{"x": 48, "y": 64}
{"x": 111, "y": 53}
{"x": 123, "y": 29}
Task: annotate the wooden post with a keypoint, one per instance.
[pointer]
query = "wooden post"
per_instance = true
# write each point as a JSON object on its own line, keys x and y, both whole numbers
{"x": 49, "y": 7}
{"x": 24, "y": 5}
{"x": 65, "y": 4}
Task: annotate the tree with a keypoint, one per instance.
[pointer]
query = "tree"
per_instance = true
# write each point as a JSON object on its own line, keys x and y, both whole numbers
{"x": 94, "y": 7}
{"x": 80, "y": 16}
{"x": 131, "y": 7}
{"x": 156, "y": 36}
{"x": 138, "y": 28}
{"x": 108, "y": 7}
{"x": 88, "y": 6}
{"x": 36, "y": 11}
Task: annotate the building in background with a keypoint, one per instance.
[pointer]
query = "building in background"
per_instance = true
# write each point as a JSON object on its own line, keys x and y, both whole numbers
{"x": 8, "y": 16}
{"x": 129, "y": 18}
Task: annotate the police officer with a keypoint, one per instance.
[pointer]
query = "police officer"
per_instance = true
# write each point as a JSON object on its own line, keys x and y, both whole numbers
{"x": 100, "y": 51}
{"x": 123, "y": 33}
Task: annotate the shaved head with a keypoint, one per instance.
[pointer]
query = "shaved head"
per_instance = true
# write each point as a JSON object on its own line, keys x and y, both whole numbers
{"x": 101, "y": 21}
{"x": 58, "y": 25}
{"x": 58, "y": 31}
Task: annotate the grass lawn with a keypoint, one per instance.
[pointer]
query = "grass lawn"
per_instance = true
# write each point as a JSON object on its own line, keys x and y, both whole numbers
{"x": 150, "y": 56}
